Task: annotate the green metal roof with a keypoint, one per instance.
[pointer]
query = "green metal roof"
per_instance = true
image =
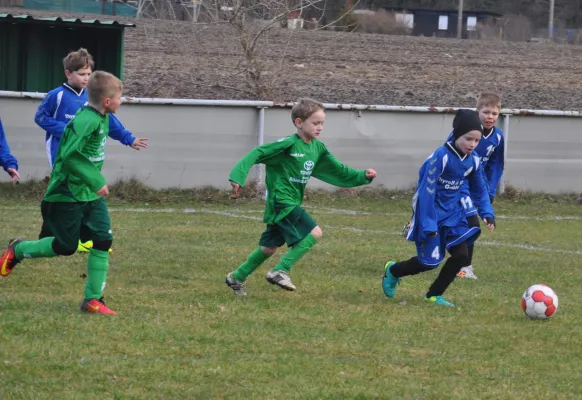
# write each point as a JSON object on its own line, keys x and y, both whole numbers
{"x": 68, "y": 20}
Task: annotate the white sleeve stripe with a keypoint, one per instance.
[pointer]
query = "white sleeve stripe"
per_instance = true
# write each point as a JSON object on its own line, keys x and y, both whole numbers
{"x": 59, "y": 98}
{"x": 49, "y": 143}
{"x": 477, "y": 162}
{"x": 445, "y": 161}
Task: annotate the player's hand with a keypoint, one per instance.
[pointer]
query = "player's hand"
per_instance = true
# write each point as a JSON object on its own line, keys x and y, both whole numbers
{"x": 370, "y": 173}
{"x": 140, "y": 143}
{"x": 235, "y": 190}
{"x": 490, "y": 222}
{"x": 104, "y": 191}
{"x": 14, "y": 175}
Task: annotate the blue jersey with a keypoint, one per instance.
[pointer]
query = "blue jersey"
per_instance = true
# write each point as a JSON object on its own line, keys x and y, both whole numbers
{"x": 437, "y": 201}
{"x": 6, "y": 159}
{"x": 490, "y": 151}
{"x": 59, "y": 107}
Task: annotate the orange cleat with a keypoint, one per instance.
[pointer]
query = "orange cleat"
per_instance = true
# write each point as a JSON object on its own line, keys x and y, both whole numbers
{"x": 96, "y": 306}
{"x": 8, "y": 260}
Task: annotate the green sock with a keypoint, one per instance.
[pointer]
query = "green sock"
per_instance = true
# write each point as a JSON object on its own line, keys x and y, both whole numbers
{"x": 295, "y": 253}
{"x": 35, "y": 249}
{"x": 97, "y": 267}
{"x": 255, "y": 259}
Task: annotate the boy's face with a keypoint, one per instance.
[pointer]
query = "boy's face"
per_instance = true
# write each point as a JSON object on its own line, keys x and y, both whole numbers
{"x": 468, "y": 142}
{"x": 79, "y": 78}
{"x": 312, "y": 126}
{"x": 488, "y": 116}
{"x": 111, "y": 104}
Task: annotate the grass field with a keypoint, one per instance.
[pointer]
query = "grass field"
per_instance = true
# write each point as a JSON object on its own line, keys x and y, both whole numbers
{"x": 181, "y": 334}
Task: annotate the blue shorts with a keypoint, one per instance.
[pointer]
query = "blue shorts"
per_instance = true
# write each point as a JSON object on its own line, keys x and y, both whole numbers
{"x": 432, "y": 251}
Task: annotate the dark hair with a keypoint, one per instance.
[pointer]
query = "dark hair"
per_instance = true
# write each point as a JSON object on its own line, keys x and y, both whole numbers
{"x": 77, "y": 60}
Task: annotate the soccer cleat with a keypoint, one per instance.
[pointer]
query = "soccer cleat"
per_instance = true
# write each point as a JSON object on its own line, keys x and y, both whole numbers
{"x": 96, "y": 306}
{"x": 8, "y": 260}
{"x": 406, "y": 229}
{"x": 281, "y": 279}
{"x": 84, "y": 247}
{"x": 389, "y": 281}
{"x": 467, "y": 273}
{"x": 440, "y": 300}
{"x": 238, "y": 287}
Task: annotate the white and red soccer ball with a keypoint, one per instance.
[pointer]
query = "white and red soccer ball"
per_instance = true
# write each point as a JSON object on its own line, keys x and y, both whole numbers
{"x": 539, "y": 302}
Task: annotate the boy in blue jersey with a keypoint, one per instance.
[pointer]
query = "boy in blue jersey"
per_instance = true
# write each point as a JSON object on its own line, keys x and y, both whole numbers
{"x": 490, "y": 151}
{"x": 438, "y": 221}
{"x": 7, "y": 161}
{"x": 60, "y": 106}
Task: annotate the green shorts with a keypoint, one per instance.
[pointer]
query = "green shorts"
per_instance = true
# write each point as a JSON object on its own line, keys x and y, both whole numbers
{"x": 291, "y": 229}
{"x": 71, "y": 222}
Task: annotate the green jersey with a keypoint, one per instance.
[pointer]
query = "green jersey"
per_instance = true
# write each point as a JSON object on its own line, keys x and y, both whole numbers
{"x": 76, "y": 175}
{"x": 290, "y": 162}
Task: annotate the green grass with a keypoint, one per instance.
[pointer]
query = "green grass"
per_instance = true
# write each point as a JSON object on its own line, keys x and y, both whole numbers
{"x": 181, "y": 334}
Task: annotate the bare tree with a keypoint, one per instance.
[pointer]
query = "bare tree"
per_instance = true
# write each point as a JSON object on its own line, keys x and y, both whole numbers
{"x": 251, "y": 22}
{"x": 162, "y": 9}
{"x": 243, "y": 28}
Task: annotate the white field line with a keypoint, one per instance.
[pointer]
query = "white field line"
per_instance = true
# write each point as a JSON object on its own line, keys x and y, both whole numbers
{"x": 315, "y": 210}
{"x": 339, "y": 211}
{"x": 239, "y": 214}
{"x": 479, "y": 242}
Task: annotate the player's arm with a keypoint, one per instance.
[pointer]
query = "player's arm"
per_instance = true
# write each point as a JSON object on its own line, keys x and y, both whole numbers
{"x": 264, "y": 154}
{"x": 330, "y": 170}
{"x": 118, "y": 132}
{"x": 495, "y": 167}
{"x": 44, "y": 116}
{"x": 7, "y": 160}
{"x": 426, "y": 218}
{"x": 479, "y": 193}
{"x": 77, "y": 135}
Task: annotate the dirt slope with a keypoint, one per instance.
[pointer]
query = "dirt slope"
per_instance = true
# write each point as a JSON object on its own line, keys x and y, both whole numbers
{"x": 181, "y": 60}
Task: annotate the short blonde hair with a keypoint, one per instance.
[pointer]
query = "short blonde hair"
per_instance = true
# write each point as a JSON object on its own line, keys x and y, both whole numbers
{"x": 304, "y": 108}
{"x": 488, "y": 100}
{"x": 102, "y": 85}
{"x": 76, "y": 60}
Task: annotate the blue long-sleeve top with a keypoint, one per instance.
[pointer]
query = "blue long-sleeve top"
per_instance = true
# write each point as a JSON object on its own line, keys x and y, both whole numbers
{"x": 7, "y": 160}
{"x": 490, "y": 151}
{"x": 437, "y": 201}
{"x": 60, "y": 106}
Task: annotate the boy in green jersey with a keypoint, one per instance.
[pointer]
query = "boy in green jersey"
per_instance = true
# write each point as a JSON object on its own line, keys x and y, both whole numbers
{"x": 74, "y": 206}
{"x": 290, "y": 162}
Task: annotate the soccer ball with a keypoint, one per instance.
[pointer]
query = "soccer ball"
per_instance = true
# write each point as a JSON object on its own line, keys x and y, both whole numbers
{"x": 539, "y": 302}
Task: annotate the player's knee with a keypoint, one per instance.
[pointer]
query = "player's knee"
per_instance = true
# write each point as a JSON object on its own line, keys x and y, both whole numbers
{"x": 461, "y": 256}
{"x": 64, "y": 249}
{"x": 268, "y": 251}
{"x": 317, "y": 232}
{"x": 102, "y": 245}
{"x": 43, "y": 234}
